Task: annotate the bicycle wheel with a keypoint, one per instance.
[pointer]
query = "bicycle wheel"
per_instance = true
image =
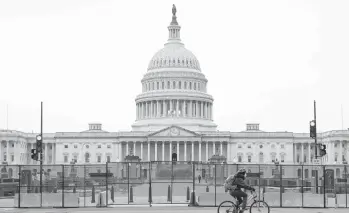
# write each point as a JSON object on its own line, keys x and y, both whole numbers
{"x": 226, "y": 207}
{"x": 259, "y": 206}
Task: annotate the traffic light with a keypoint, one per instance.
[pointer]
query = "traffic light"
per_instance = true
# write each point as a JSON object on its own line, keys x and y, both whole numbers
{"x": 39, "y": 144}
{"x": 322, "y": 150}
{"x": 312, "y": 129}
{"x": 34, "y": 154}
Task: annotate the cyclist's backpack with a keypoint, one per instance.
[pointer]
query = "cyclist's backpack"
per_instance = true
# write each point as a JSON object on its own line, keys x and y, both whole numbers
{"x": 228, "y": 183}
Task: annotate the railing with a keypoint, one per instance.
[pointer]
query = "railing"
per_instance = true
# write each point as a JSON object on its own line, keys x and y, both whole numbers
{"x": 192, "y": 183}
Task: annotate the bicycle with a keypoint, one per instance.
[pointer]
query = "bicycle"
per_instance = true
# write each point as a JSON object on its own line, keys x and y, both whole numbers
{"x": 259, "y": 205}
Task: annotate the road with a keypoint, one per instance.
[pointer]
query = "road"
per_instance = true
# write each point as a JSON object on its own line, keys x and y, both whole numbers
{"x": 162, "y": 209}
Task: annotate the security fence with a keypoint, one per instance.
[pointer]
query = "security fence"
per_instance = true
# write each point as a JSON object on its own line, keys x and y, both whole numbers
{"x": 194, "y": 183}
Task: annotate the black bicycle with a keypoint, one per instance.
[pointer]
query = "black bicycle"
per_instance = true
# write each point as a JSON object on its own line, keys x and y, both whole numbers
{"x": 256, "y": 206}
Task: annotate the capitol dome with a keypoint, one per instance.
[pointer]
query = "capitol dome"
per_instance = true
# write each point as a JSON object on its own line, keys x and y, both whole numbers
{"x": 174, "y": 55}
{"x": 174, "y": 90}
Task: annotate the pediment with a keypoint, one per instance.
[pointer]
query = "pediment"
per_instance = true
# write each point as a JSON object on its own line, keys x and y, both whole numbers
{"x": 174, "y": 131}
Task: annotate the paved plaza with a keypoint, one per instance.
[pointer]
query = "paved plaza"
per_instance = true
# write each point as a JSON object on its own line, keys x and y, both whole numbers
{"x": 163, "y": 209}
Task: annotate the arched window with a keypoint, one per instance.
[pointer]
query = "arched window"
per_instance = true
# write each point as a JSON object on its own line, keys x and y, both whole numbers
{"x": 168, "y": 85}
{"x": 338, "y": 173}
{"x": 189, "y": 85}
{"x": 180, "y": 85}
{"x": 249, "y": 158}
{"x": 261, "y": 157}
{"x": 163, "y": 85}
{"x": 87, "y": 157}
{"x": 185, "y": 85}
{"x": 194, "y": 86}
{"x": 174, "y": 85}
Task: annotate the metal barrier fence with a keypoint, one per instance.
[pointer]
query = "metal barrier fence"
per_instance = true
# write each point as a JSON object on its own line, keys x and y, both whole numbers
{"x": 147, "y": 183}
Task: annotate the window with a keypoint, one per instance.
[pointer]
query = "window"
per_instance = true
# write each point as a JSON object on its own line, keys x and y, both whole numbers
{"x": 66, "y": 146}
{"x": 282, "y": 158}
{"x": 163, "y": 85}
{"x": 273, "y": 146}
{"x": 87, "y": 146}
{"x": 75, "y": 158}
{"x": 157, "y": 85}
{"x": 306, "y": 173}
{"x": 108, "y": 146}
{"x": 180, "y": 85}
{"x": 199, "y": 86}
{"x": 13, "y": 145}
{"x": 108, "y": 158}
{"x": 87, "y": 157}
{"x": 12, "y": 158}
{"x": 185, "y": 85}
{"x": 261, "y": 146}
{"x": 189, "y": 85}
{"x": 75, "y": 146}
{"x": 239, "y": 159}
{"x": 5, "y": 157}
{"x": 99, "y": 158}
{"x": 99, "y": 146}
{"x": 65, "y": 158}
{"x": 239, "y": 146}
{"x": 335, "y": 157}
{"x": 273, "y": 157}
{"x": 173, "y": 85}
{"x": 194, "y": 86}
{"x": 299, "y": 173}
{"x": 261, "y": 157}
{"x": 282, "y": 146}
{"x": 249, "y": 146}
{"x": 168, "y": 85}
{"x": 249, "y": 158}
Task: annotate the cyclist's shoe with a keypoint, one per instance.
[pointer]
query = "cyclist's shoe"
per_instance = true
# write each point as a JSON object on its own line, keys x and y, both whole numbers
{"x": 242, "y": 210}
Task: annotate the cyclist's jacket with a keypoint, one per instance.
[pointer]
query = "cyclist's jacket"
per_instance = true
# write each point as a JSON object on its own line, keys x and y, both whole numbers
{"x": 236, "y": 183}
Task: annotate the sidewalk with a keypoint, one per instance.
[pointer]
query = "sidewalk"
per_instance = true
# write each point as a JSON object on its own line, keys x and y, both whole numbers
{"x": 163, "y": 209}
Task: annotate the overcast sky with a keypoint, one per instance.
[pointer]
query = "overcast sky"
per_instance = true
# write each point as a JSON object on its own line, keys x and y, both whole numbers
{"x": 265, "y": 61}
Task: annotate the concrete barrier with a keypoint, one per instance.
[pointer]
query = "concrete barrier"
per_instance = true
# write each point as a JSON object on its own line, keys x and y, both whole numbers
{"x": 208, "y": 198}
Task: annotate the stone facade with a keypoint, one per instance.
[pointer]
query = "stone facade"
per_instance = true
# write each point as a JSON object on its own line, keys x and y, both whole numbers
{"x": 174, "y": 114}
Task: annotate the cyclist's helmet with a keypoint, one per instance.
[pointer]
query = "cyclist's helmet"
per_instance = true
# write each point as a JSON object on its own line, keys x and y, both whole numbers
{"x": 242, "y": 171}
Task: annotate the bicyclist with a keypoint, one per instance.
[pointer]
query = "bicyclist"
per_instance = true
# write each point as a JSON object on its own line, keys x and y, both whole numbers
{"x": 237, "y": 182}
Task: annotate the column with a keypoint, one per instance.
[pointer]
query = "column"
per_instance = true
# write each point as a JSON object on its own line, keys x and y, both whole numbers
{"x": 302, "y": 151}
{"x": 184, "y": 108}
{"x": 142, "y": 150}
{"x": 171, "y": 106}
{"x": 199, "y": 150}
{"x": 202, "y": 109}
{"x": 134, "y": 148}
{"x": 211, "y": 116}
{"x": 214, "y": 148}
{"x": 165, "y": 108}
{"x": 156, "y": 150}
{"x": 294, "y": 153}
{"x": 192, "y": 151}
{"x": 127, "y": 152}
{"x": 309, "y": 152}
{"x": 170, "y": 149}
{"x": 46, "y": 153}
{"x": 185, "y": 150}
{"x": 158, "y": 109}
{"x": 190, "y": 113}
{"x": 177, "y": 150}
{"x": 136, "y": 111}
{"x": 163, "y": 150}
{"x": 206, "y": 151}
{"x": 8, "y": 152}
{"x": 52, "y": 148}
{"x": 340, "y": 159}
{"x": 148, "y": 150}
{"x": 177, "y": 108}
{"x": 221, "y": 148}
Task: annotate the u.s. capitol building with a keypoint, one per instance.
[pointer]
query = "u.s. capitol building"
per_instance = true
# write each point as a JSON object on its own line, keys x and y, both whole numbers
{"x": 174, "y": 114}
